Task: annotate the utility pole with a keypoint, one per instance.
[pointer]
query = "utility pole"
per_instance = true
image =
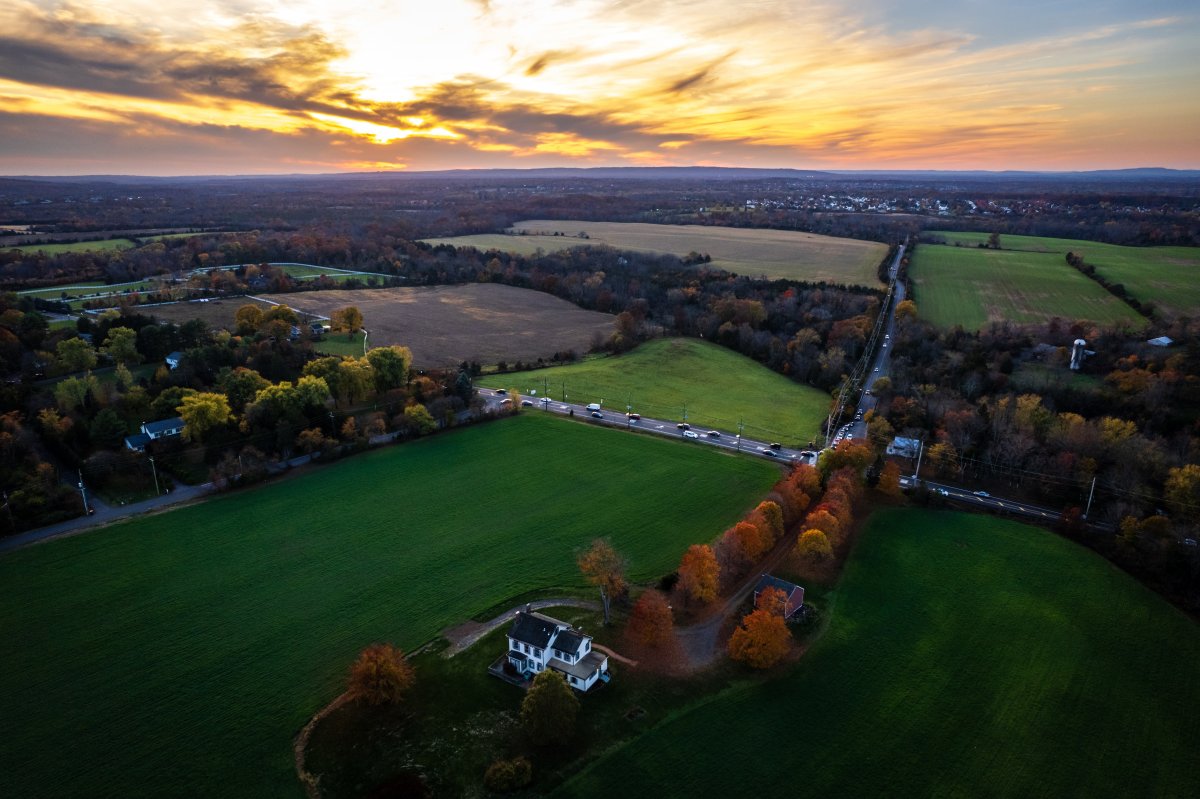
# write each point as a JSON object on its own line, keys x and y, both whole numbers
{"x": 1091, "y": 494}
{"x": 741, "y": 429}
{"x": 87, "y": 511}
{"x": 564, "y": 390}
{"x": 157, "y": 491}
{"x": 920, "y": 452}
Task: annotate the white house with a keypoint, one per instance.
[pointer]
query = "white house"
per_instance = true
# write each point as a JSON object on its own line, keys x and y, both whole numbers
{"x": 164, "y": 428}
{"x": 537, "y": 642}
{"x": 174, "y": 359}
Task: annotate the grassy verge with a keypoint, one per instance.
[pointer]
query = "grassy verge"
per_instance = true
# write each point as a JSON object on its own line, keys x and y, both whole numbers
{"x": 661, "y": 378}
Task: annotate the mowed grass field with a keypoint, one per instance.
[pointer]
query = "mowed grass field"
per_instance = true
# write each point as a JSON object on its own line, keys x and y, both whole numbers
{"x": 973, "y": 287}
{"x": 659, "y": 378}
{"x": 76, "y": 246}
{"x": 775, "y": 254}
{"x": 967, "y": 656}
{"x": 1169, "y": 277}
{"x": 179, "y": 654}
{"x": 446, "y": 325}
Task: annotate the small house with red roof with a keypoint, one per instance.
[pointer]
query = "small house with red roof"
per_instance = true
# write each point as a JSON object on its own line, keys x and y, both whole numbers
{"x": 792, "y": 593}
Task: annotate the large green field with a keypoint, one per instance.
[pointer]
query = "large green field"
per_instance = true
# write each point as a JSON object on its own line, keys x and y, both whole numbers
{"x": 179, "y": 654}
{"x": 966, "y": 656}
{"x": 662, "y": 377}
{"x": 972, "y": 287}
{"x": 774, "y": 253}
{"x": 76, "y": 246}
{"x": 1169, "y": 277}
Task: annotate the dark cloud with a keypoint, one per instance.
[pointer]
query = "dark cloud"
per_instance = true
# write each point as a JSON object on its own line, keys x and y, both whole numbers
{"x": 705, "y": 76}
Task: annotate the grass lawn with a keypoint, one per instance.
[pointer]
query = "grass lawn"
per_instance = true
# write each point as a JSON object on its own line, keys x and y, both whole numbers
{"x": 1169, "y": 277}
{"x": 973, "y": 287}
{"x": 660, "y": 377}
{"x": 339, "y": 344}
{"x": 76, "y": 246}
{"x": 774, "y": 253}
{"x": 961, "y": 661}
{"x": 180, "y": 653}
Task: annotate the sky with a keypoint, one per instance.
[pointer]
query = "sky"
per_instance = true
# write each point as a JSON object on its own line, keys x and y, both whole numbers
{"x": 167, "y": 87}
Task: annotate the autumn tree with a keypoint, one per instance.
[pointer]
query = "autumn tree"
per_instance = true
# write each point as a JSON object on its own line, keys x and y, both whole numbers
{"x": 813, "y": 545}
{"x": 75, "y": 355}
{"x": 651, "y": 623}
{"x": 356, "y": 379}
{"x": 906, "y": 309}
{"x": 1182, "y": 488}
{"x": 73, "y": 392}
{"x": 772, "y": 600}
{"x": 549, "y": 709}
{"x": 240, "y": 385}
{"x": 347, "y": 320}
{"x": 121, "y": 345}
{"x": 821, "y": 519}
{"x": 769, "y": 518}
{"x": 698, "y": 574}
{"x": 604, "y": 567}
{"x": 889, "y": 480}
{"x": 247, "y": 319}
{"x": 201, "y": 413}
{"x": 420, "y": 418}
{"x": 381, "y": 675}
{"x": 391, "y": 365}
{"x": 761, "y": 641}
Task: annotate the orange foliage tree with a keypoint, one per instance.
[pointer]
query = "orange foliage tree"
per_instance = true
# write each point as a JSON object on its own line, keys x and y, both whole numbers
{"x": 381, "y": 675}
{"x": 821, "y": 519}
{"x": 813, "y": 545}
{"x": 650, "y": 622}
{"x": 768, "y": 516}
{"x": 604, "y": 567}
{"x": 771, "y": 600}
{"x": 761, "y": 641}
{"x": 698, "y": 574}
{"x": 889, "y": 480}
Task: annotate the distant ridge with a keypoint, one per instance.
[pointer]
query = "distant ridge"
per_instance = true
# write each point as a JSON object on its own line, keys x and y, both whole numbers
{"x": 707, "y": 173}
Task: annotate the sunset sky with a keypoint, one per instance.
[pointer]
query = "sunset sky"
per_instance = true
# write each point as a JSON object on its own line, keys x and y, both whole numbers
{"x": 165, "y": 87}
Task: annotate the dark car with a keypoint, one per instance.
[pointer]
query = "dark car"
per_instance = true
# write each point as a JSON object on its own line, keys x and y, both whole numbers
{"x": 684, "y": 426}
{"x": 768, "y": 452}
{"x": 502, "y": 391}
{"x": 713, "y": 434}
{"x": 597, "y": 415}
{"x": 777, "y": 445}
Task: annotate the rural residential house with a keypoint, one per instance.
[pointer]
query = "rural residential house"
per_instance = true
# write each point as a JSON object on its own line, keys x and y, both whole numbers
{"x": 904, "y": 447}
{"x": 537, "y": 642}
{"x": 793, "y": 594}
{"x": 164, "y": 428}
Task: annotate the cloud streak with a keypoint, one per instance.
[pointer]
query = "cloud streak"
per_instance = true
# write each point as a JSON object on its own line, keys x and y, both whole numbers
{"x": 626, "y": 81}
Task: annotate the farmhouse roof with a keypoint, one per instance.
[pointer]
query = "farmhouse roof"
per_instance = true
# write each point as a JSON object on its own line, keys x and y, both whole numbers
{"x": 585, "y": 668}
{"x": 534, "y": 628}
{"x": 175, "y": 356}
{"x": 137, "y": 441}
{"x": 162, "y": 426}
{"x": 770, "y": 581}
{"x": 1161, "y": 341}
{"x": 569, "y": 641}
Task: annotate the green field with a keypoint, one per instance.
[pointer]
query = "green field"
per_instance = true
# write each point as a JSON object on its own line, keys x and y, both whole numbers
{"x": 179, "y": 654}
{"x": 785, "y": 254}
{"x": 967, "y": 656}
{"x": 76, "y": 246}
{"x": 91, "y": 290}
{"x": 973, "y": 287}
{"x": 662, "y": 377}
{"x": 1168, "y": 277}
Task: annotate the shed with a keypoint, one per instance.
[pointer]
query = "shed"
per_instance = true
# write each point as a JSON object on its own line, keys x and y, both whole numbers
{"x": 793, "y": 594}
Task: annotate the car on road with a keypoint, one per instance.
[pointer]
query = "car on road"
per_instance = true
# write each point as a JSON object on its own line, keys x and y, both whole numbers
{"x": 885, "y": 345}
{"x": 633, "y": 417}
{"x": 770, "y": 453}
{"x": 528, "y": 403}
{"x": 690, "y": 434}
{"x": 502, "y": 391}
{"x": 807, "y": 453}
{"x": 597, "y": 415}
{"x": 876, "y": 368}
{"x": 713, "y": 434}
{"x": 943, "y": 492}
{"x": 867, "y": 392}
{"x": 777, "y": 445}
{"x": 544, "y": 400}
{"x": 683, "y": 426}
{"x": 981, "y": 493}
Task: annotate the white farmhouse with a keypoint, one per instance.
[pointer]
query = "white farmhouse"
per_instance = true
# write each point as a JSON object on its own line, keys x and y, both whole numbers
{"x": 537, "y": 642}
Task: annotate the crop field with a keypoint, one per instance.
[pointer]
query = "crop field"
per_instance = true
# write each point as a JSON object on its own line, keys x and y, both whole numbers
{"x": 773, "y": 253}
{"x": 1168, "y": 277}
{"x": 75, "y": 293}
{"x": 973, "y": 287}
{"x": 661, "y": 377}
{"x": 958, "y": 662}
{"x": 446, "y": 325}
{"x": 180, "y": 653}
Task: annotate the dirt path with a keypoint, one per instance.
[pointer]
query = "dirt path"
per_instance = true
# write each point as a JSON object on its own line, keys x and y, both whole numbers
{"x": 700, "y": 641}
{"x": 462, "y": 636}
{"x": 311, "y": 789}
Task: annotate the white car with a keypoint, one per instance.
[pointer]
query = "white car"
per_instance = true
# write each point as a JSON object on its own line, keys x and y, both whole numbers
{"x": 544, "y": 400}
{"x": 690, "y": 434}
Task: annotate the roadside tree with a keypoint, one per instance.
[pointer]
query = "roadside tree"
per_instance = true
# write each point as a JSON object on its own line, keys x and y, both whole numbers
{"x": 699, "y": 574}
{"x": 761, "y": 641}
{"x": 651, "y": 623}
{"x": 202, "y": 413}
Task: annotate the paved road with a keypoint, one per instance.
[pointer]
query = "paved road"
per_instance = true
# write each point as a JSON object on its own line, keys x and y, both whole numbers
{"x": 982, "y": 499}
{"x": 722, "y": 439}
